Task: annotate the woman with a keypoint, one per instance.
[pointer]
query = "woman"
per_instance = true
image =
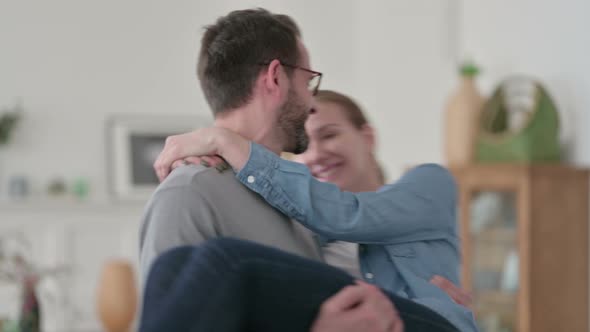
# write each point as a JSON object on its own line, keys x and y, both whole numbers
{"x": 404, "y": 232}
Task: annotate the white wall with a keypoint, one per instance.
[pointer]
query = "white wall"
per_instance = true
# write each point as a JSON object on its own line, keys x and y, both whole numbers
{"x": 406, "y": 60}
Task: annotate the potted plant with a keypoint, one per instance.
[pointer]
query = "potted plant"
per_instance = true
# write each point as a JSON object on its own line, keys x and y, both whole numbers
{"x": 8, "y": 120}
{"x": 16, "y": 268}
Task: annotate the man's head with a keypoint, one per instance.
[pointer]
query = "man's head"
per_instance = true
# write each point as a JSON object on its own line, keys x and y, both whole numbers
{"x": 256, "y": 57}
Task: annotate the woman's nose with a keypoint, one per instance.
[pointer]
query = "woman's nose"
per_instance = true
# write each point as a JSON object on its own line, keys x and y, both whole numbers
{"x": 312, "y": 155}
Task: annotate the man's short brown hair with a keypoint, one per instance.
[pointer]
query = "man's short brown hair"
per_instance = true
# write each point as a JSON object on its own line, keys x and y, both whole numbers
{"x": 233, "y": 49}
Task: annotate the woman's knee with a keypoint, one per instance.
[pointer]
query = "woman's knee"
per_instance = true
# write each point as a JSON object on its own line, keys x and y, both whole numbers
{"x": 230, "y": 254}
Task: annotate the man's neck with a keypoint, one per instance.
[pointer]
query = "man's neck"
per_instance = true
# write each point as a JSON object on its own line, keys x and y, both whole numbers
{"x": 252, "y": 124}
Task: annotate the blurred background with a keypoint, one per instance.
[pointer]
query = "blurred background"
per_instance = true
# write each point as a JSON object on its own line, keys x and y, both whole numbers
{"x": 92, "y": 82}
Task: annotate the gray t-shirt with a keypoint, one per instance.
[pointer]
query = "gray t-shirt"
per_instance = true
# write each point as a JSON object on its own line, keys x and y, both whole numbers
{"x": 195, "y": 204}
{"x": 343, "y": 255}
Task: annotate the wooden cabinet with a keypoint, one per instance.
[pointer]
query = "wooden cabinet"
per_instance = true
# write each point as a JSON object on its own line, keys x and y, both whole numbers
{"x": 524, "y": 236}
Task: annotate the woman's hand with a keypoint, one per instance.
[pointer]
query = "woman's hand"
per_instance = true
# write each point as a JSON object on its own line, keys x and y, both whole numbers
{"x": 458, "y": 295}
{"x": 202, "y": 145}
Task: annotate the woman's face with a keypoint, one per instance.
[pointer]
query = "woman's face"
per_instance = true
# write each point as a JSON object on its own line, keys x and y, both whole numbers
{"x": 338, "y": 152}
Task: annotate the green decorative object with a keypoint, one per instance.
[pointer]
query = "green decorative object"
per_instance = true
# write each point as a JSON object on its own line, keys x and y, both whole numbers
{"x": 519, "y": 123}
{"x": 469, "y": 69}
{"x": 81, "y": 188}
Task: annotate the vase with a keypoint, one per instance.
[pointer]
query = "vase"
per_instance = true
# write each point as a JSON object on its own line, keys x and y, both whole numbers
{"x": 117, "y": 296}
{"x": 462, "y": 119}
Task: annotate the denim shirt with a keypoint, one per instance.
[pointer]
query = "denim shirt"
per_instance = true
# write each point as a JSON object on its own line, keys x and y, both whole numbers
{"x": 406, "y": 230}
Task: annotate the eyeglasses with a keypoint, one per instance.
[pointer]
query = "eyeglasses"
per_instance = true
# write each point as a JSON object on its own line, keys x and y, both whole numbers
{"x": 314, "y": 82}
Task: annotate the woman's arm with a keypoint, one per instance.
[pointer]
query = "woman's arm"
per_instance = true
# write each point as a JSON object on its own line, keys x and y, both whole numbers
{"x": 420, "y": 206}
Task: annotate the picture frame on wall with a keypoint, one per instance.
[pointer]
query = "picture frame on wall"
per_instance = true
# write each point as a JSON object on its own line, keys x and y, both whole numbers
{"x": 134, "y": 142}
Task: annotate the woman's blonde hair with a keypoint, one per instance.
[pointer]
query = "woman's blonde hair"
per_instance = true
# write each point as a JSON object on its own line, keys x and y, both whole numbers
{"x": 352, "y": 110}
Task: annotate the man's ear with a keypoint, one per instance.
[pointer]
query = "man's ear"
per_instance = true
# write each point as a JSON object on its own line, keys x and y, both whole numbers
{"x": 272, "y": 76}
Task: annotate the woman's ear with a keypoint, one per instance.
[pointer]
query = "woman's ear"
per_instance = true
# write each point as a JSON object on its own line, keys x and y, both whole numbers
{"x": 368, "y": 133}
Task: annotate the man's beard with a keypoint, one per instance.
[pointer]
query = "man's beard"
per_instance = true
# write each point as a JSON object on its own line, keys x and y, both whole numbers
{"x": 292, "y": 122}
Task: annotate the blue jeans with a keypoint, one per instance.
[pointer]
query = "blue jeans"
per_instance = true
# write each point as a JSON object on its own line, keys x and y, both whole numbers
{"x": 230, "y": 285}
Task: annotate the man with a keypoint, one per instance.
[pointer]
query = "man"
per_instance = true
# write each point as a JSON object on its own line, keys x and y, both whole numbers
{"x": 253, "y": 93}
{"x": 254, "y": 72}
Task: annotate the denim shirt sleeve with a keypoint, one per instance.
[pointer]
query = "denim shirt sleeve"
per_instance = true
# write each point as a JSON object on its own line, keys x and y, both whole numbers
{"x": 420, "y": 206}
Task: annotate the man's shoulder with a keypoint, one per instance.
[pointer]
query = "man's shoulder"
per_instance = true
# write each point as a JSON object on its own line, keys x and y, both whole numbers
{"x": 198, "y": 180}
{"x": 189, "y": 193}
{"x": 195, "y": 187}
